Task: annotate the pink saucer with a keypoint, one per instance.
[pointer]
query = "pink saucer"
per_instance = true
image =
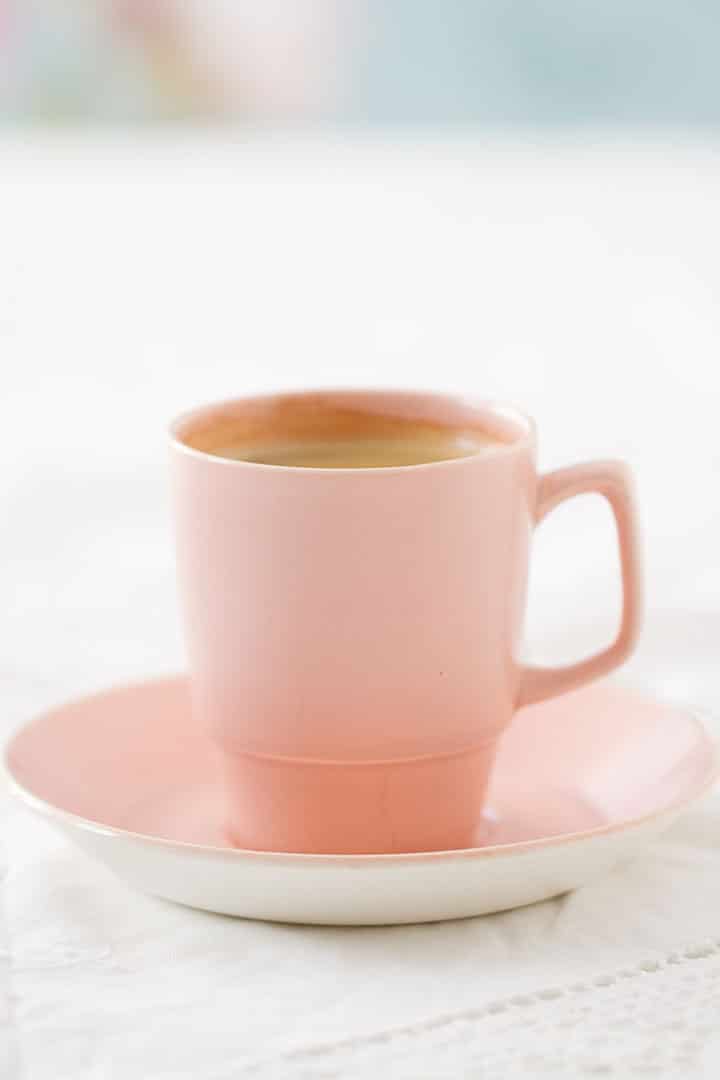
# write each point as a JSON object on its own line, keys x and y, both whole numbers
{"x": 581, "y": 782}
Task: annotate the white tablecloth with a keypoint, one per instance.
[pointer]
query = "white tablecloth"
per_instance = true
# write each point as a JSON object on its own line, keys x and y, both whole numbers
{"x": 139, "y": 278}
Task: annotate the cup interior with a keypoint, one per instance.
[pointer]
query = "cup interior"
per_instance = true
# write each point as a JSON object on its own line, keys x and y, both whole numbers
{"x": 276, "y": 420}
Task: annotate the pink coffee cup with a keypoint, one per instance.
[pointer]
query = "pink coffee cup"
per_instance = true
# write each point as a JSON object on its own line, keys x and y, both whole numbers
{"x": 353, "y": 633}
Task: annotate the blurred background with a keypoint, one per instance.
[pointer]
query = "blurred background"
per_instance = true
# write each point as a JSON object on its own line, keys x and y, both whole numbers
{"x": 360, "y": 62}
{"x": 204, "y": 198}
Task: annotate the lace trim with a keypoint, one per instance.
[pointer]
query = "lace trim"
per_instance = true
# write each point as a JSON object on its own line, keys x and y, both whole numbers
{"x": 591, "y": 1027}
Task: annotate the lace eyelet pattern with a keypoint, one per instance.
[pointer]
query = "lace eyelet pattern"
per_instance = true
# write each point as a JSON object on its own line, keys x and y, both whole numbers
{"x": 568, "y": 1031}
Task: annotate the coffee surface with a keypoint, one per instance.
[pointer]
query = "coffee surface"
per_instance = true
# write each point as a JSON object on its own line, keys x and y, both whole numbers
{"x": 415, "y": 447}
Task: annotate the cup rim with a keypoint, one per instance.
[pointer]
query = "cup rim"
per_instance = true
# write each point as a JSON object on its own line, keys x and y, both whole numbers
{"x": 526, "y": 440}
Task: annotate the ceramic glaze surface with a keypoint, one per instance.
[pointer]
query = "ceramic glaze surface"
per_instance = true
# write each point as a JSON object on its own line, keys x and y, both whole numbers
{"x": 614, "y": 770}
{"x": 353, "y": 634}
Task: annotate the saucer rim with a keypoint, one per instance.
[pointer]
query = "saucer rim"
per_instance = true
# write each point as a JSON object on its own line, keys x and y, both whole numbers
{"x": 52, "y": 812}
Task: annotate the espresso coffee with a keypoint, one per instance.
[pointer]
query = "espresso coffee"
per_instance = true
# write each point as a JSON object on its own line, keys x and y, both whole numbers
{"x": 316, "y": 431}
{"x": 371, "y": 452}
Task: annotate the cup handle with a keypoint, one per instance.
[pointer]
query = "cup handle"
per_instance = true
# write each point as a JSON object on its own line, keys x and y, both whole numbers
{"x": 612, "y": 480}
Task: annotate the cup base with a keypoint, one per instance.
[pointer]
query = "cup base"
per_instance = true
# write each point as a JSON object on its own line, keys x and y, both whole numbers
{"x": 432, "y": 803}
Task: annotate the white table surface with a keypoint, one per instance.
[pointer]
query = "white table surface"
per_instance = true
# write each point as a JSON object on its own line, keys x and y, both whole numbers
{"x": 138, "y": 277}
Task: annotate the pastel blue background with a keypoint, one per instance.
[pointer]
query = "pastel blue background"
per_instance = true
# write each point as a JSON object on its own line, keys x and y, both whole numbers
{"x": 440, "y": 63}
{"x": 540, "y": 62}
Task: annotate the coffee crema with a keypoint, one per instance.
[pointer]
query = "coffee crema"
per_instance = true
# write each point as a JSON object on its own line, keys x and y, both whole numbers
{"x": 318, "y": 434}
{"x": 359, "y": 453}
